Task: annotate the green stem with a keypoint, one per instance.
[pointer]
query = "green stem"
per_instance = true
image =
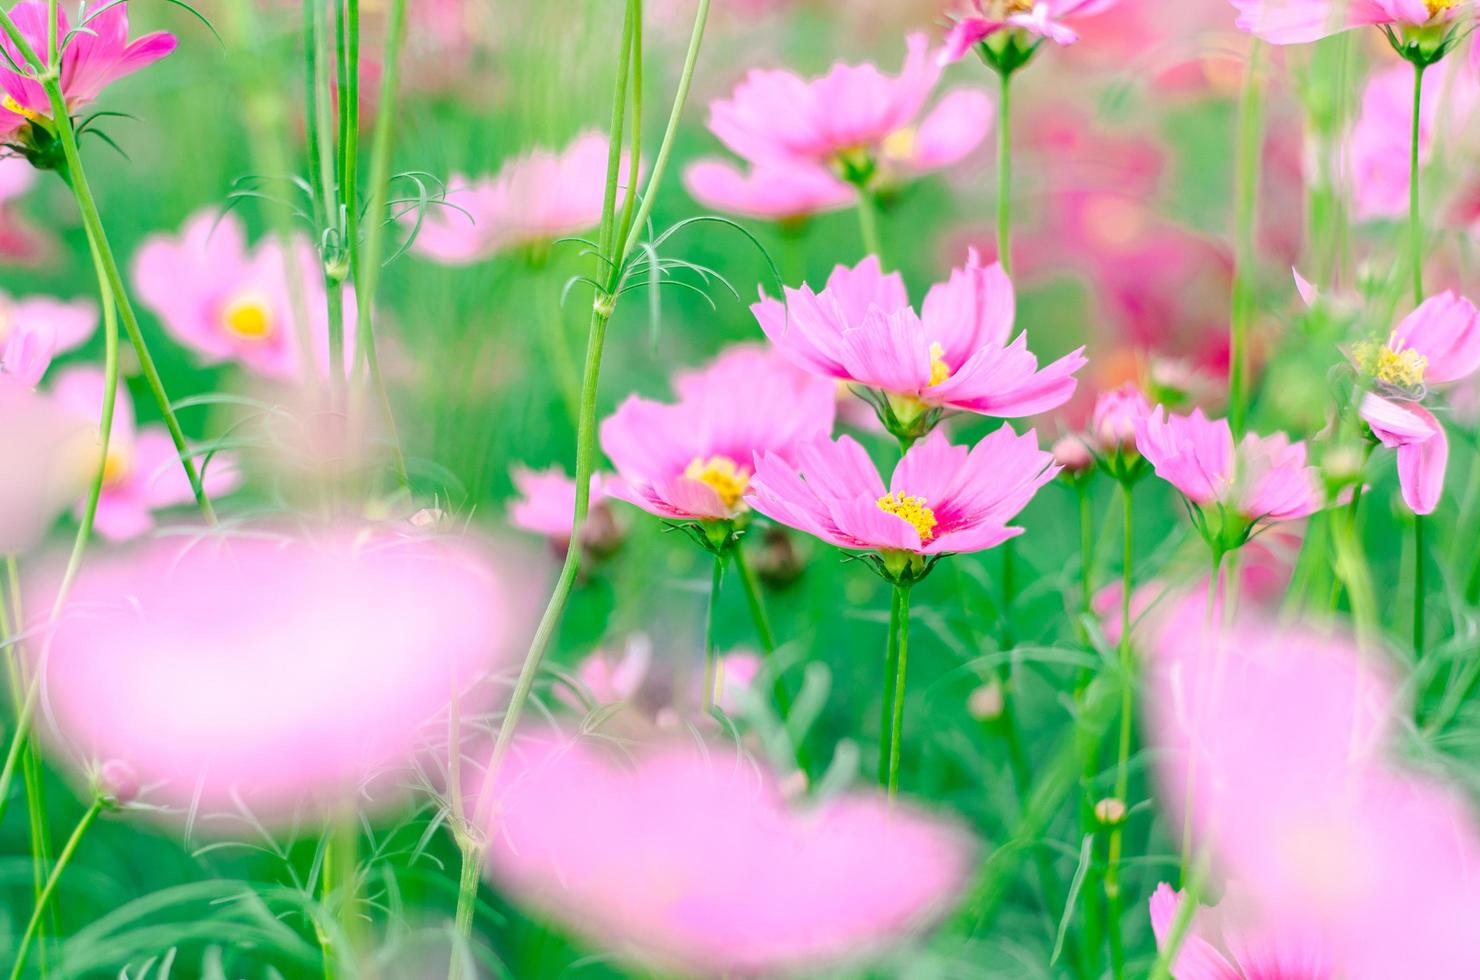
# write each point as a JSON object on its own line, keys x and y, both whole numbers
{"x": 766, "y": 637}
{"x": 327, "y": 189}
{"x": 896, "y": 728}
{"x": 1419, "y": 560}
{"x": 63, "y": 860}
{"x": 634, "y": 155}
{"x": 1123, "y": 754}
{"x": 467, "y": 901}
{"x": 868, "y": 224}
{"x": 886, "y": 706}
{"x": 1246, "y": 192}
{"x": 711, "y": 616}
{"x": 1415, "y": 223}
{"x": 1004, "y": 173}
{"x": 1212, "y": 633}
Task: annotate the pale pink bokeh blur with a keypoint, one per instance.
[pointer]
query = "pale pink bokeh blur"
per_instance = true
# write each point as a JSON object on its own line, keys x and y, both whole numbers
{"x": 47, "y": 455}
{"x": 271, "y": 670}
{"x": 697, "y": 864}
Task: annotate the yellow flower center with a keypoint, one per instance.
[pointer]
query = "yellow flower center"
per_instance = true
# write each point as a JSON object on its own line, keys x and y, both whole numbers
{"x": 912, "y": 510}
{"x": 1437, "y": 7}
{"x": 900, "y": 144}
{"x": 721, "y": 473}
{"x": 939, "y": 369}
{"x": 1397, "y": 368}
{"x": 248, "y": 316}
{"x": 116, "y": 465}
{"x": 20, "y": 110}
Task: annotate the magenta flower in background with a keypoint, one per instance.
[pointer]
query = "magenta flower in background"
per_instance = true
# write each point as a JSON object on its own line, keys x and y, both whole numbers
{"x": 977, "y": 20}
{"x": 954, "y": 355}
{"x": 228, "y": 302}
{"x": 698, "y": 865}
{"x": 35, "y": 329}
{"x": 94, "y": 58}
{"x": 532, "y": 201}
{"x": 772, "y": 192}
{"x": 142, "y": 474}
{"x": 1300, "y": 21}
{"x": 47, "y": 455}
{"x": 693, "y": 459}
{"x": 1262, "y": 480}
{"x": 1436, "y": 344}
{"x": 272, "y": 670}
{"x": 941, "y": 499}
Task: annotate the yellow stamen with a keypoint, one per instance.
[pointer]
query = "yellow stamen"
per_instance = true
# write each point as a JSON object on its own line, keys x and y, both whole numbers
{"x": 248, "y": 316}
{"x": 900, "y": 144}
{"x": 939, "y": 369}
{"x": 20, "y": 110}
{"x": 720, "y": 472}
{"x": 1396, "y": 367}
{"x": 1437, "y": 7}
{"x": 912, "y": 510}
{"x": 116, "y": 465}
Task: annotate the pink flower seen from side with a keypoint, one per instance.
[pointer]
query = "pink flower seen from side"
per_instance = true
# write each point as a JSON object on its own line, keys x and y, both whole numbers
{"x": 941, "y": 499}
{"x": 693, "y": 459}
{"x": 1302, "y": 21}
{"x": 227, "y": 301}
{"x": 977, "y": 20}
{"x": 785, "y": 193}
{"x": 698, "y": 865}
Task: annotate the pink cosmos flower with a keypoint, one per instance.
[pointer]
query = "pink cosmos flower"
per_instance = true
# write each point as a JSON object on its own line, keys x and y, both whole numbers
{"x": 697, "y": 865}
{"x": 772, "y": 192}
{"x": 94, "y": 58}
{"x": 547, "y": 506}
{"x": 271, "y": 670}
{"x": 978, "y": 20}
{"x": 1299, "y": 21}
{"x": 776, "y": 117}
{"x": 611, "y": 677}
{"x": 941, "y": 499}
{"x": 1436, "y": 344}
{"x": 1232, "y": 943}
{"x": 143, "y": 472}
{"x": 47, "y": 455}
{"x": 228, "y": 302}
{"x": 1265, "y": 479}
{"x": 533, "y": 200}
{"x": 35, "y": 329}
{"x": 1113, "y": 424}
{"x": 693, "y": 459}
{"x": 955, "y": 354}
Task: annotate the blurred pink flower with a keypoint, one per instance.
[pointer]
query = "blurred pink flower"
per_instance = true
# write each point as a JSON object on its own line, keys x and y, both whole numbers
{"x": 1436, "y": 344}
{"x": 977, "y": 20}
{"x": 698, "y": 865}
{"x": 227, "y": 302}
{"x": 693, "y": 459}
{"x": 776, "y": 117}
{"x": 547, "y": 506}
{"x": 737, "y": 674}
{"x": 22, "y": 242}
{"x": 1113, "y": 424}
{"x": 955, "y": 354}
{"x": 611, "y": 677}
{"x": 941, "y": 499}
{"x": 46, "y": 457}
{"x": 95, "y": 57}
{"x": 1231, "y": 943}
{"x": 772, "y": 192}
{"x": 957, "y": 125}
{"x": 35, "y": 329}
{"x": 1299, "y": 21}
{"x": 271, "y": 670}
{"x": 143, "y": 472}
{"x": 1264, "y": 480}
{"x": 533, "y": 200}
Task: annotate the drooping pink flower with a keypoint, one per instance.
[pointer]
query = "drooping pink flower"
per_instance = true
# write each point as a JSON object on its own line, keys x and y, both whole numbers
{"x": 228, "y": 302}
{"x": 1300, "y": 21}
{"x": 46, "y": 455}
{"x": 35, "y": 329}
{"x": 977, "y": 20}
{"x": 785, "y": 193}
{"x": 142, "y": 474}
{"x": 693, "y": 459}
{"x": 958, "y": 353}
{"x": 1113, "y": 424}
{"x": 1436, "y": 344}
{"x": 698, "y": 865}
{"x": 1264, "y": 480}
{"x": 776, "y": 117}
{"x": 274, "y": 670}
{"x": 941, "y": 499}
{"x": 1231, "y": 942}
{"x": 533, "y": 200}
{"x": 96, "y": 56}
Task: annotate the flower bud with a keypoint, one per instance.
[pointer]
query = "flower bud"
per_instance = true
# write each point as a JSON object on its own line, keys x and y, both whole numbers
{"x": 118, "y": 783}
{"x": 1110, "y": 811}
{"x": 1113, "y": 424}
{"x": 1073, "y": 455}
{"x": 986, "y": 702}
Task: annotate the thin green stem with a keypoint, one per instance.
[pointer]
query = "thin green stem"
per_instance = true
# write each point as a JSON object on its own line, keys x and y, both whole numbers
{"x": 327, "y": 189}
{"x": 1420, "y": 558}
{"x": 868, "y": 223}
{"x": 63, "y": 859}
{"x": 1415, "y": 221}
{"x": 711, "y": 617}
{"x": 467, "y": 902}
{"x": 1123, "y": 753}
{"x": 886, "y": 706}
{"x": 634, "y": 154}
{"x": 1246, "y": 191}
{"x": 767, "y": 638}
{"x": 896, "y": 732}
{"x": 1004, "y": 173}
